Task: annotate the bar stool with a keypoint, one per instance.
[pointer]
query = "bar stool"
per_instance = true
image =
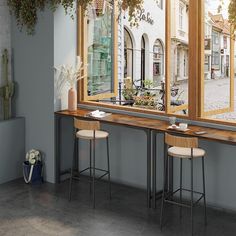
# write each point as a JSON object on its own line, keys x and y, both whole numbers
{"x": 184, "y": 148}
{"x": 89, "y": 130}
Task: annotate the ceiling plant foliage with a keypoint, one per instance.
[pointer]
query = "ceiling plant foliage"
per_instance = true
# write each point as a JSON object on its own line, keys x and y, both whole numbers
{"x": 26, "y": 11}
{"x": 232, "y": 13}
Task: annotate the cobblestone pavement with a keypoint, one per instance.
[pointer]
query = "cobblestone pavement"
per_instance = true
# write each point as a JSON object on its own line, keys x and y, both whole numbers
{"x": 217, "y": 96}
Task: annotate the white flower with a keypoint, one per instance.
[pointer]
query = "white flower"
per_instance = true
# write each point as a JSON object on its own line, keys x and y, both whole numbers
{"x": 36, "y": 153}
{"x": 32, "y": 161}
{"x": 69, "y": 74}
{"x": 31, "y": 155}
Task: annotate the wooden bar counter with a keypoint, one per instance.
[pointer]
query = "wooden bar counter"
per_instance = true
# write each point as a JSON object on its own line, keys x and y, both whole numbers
{"x": 151, "y": 127}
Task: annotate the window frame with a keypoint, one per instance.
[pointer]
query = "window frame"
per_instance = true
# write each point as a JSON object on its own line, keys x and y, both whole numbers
{"x": 195, "y": 70}
{"x": 128, "y": 50}
{"x": 202, "y": 116}
{"x": 82, "y": 51}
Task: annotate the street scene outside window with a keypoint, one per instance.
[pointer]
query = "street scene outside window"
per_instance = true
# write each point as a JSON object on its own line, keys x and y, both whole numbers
{"x": 219, "y": 90}
{"x": 141, "y": 68}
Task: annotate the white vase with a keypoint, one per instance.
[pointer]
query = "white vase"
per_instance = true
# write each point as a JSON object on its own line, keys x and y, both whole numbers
{"x": 72, "y": 99}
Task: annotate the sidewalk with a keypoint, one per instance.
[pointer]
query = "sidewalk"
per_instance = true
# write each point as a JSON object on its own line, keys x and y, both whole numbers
{"x": 217, "y": 96}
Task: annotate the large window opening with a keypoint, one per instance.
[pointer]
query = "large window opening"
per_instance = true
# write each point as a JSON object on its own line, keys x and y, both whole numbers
{"x": 219, "y": 75}
{"x": 128, "y": 55}
{"x": 143, "y": 62}
{"x": 158, "y": 62}
{"x": 99, "y": 48}
{"x": 179, "y": 80}
{"x": 179, "y": 60}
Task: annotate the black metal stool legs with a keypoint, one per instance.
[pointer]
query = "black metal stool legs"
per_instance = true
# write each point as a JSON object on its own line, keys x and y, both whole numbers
{"x": 181, "y": 185}
{"x": 93, "y": 168}
{"x": 164, "y": 187}
{"x": 90, "y": 166}
{"x": 167, "y": 194}
{"x": 192, "y": 192}
{"x": 108, "y": 168}
{"x": 204, "y": 189}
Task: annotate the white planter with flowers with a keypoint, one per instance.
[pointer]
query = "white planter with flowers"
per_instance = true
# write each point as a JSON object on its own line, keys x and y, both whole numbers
{"x": 33, "y": 167}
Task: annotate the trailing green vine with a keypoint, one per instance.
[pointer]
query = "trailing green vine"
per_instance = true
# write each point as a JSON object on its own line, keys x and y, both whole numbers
{"x": 26, "y": 11}
{"x": 232, "y": 13}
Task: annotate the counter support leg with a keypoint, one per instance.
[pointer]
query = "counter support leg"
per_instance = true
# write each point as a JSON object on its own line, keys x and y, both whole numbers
{"x": 57, "y": 120}
{"x": 154, "y": 175}
{"x": 149, "y": 158}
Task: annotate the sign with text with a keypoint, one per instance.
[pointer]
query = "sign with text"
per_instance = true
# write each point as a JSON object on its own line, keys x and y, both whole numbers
{"x": 145, "y": 16}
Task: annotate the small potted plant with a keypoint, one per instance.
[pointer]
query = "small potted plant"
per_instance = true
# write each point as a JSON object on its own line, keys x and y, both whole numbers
{"x": 33, "y": 167}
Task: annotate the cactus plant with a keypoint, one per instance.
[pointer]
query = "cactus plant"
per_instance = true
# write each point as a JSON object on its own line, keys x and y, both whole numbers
{"x": 7, "y": 91}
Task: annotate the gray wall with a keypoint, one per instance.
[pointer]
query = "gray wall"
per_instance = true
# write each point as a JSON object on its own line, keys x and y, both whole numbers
{"x": 33, "y": 72}
{"x": 5, "y": 40}
{"x": 65, "y": 37}
{"x": 128, "y": 163}
{"x": 12, "y": 149}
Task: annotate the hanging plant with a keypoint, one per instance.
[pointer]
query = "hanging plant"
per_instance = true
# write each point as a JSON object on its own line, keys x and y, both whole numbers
{"x": 26, "y": 11}
{"x": 232, "y": 13}
{"x": 133, "y": 6}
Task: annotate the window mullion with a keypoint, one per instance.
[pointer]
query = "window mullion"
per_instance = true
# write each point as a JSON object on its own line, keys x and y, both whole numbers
{"x": 194, "y": 73}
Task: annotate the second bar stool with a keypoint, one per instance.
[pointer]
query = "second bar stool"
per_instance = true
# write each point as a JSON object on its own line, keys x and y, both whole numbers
{"x": 89, "y": 130}
{"x": 183, "y": 148}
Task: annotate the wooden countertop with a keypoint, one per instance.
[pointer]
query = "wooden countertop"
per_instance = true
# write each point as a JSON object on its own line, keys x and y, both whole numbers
{"x": 213, "y": 134}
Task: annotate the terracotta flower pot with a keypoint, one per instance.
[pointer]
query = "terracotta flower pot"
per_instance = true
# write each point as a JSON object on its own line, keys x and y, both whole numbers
{"x": 72, "y": 99}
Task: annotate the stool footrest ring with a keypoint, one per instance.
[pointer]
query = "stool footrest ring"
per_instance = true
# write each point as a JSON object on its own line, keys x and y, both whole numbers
{"x": 166, "y": 199}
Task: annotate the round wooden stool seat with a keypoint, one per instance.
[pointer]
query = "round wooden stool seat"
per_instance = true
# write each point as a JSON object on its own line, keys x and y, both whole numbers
{"x": 181, "y": 152}
{"x": 88, "y": 134}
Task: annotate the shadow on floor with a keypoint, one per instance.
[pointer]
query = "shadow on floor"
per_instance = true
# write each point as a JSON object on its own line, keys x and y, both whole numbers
{"x": 45, "y": 210}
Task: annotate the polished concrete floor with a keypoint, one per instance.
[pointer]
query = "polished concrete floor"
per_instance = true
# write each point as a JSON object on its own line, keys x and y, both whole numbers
{"x": 44, "y": 210}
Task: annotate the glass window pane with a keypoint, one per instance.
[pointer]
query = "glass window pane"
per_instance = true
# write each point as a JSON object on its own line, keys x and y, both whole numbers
{"x": 99, "y": 47}
{"x": 217, "y": 68}
{"x": 141, "y": 51}
{"x": 179, "y": 57}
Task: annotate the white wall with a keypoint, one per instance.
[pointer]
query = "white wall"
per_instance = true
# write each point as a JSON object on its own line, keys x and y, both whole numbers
{"x": 151, "y": 32}
{"x": 176, "y": 32}
{"x": 33, "y": 73}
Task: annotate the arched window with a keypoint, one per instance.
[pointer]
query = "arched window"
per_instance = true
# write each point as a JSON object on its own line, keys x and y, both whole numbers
{"x": 158, "y": 60}
{"x": 143, "y": 52}
{"x": 128, "y": 54}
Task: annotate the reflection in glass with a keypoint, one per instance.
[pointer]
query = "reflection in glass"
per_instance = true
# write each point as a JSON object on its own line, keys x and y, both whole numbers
{"x": 99, "y": 46}
{"x": 217, "y": 80}
{"x": 179, "y": 56}
{"x": 128, "y": 54}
